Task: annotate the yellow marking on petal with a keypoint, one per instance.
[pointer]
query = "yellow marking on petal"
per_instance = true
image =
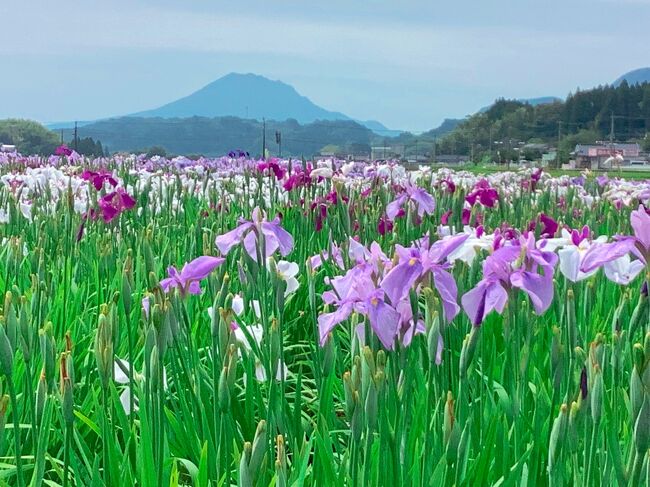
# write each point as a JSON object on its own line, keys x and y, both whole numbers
{"x": 412, "y": 261}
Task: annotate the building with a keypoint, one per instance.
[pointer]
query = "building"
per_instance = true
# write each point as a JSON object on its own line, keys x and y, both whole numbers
{"x": 603, "y": 156}
{"x": 549, "y": 158}
{"x": 383, "y": 153}
{"x": 7, "y": 148}
{"x": 450, "y": 159}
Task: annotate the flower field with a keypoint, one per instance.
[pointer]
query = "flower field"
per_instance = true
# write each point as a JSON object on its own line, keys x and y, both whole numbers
{"x": 239, "y": 322}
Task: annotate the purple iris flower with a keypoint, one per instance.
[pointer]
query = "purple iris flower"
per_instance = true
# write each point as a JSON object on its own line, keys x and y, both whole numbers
{"x": 408, "y": 328}
{"x": 512, "y": 266}
{"x": 416, "y": 262}
{"x": 423, "y": 201}
{"x": 249, "y": 231}
{"x": 602, "y": 180}
{"x": 356, "y": 291}
{"x": 638, "y": 244}
{"x": 187, "y": 280}
{"x": 578, "y": 181}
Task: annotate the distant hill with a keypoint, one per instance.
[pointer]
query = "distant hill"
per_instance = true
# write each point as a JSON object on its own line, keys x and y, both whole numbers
{"x": 246, "y": 96}
{"x": 637, "y": 76}
{"x": 251, "y": 96}
{"x": 219, "y": 135}
{"x": 512, "y": 129}
{"x": 447, "y": 126}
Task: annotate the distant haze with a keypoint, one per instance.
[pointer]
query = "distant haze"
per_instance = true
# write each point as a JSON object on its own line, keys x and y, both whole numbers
{"x": 405, "y": 64}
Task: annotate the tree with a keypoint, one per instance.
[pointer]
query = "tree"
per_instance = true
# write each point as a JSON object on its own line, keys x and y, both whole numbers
{"x": 88, "y": 147}
{"x": 157, "y": 151}
{"x": 28, "y": 136}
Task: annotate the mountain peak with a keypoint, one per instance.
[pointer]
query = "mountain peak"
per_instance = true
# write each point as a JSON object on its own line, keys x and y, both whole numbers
{"x": 636, "y": 76}
{"x": 251, "y": 96}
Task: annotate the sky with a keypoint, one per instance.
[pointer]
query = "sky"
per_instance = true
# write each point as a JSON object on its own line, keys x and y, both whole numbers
{"x": 409, "y": 63}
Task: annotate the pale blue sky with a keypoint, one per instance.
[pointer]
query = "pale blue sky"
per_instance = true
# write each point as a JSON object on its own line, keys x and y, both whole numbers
{"x": 408, "y": 63}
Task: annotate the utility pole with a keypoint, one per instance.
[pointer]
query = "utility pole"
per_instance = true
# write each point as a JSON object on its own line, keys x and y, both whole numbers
{"x": 416, "y": 151}
{"x": 384, "y": 149}
{"x": 611, "y": 137}
{"x": 278, "y": 140}
{"x": 75, "y": 137}
{"x": 557, "y": 150}
{"x": 263, "y": 138}
{"x": 435, "y": 141}
{"x": 490, "y": 142}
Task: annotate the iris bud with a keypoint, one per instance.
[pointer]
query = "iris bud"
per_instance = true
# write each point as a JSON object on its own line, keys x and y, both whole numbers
{"x": 259, "y": 448}
{"x": 6, "y": 354}
{"x": 558, "y": 432}
{"x": 244, "y": 471}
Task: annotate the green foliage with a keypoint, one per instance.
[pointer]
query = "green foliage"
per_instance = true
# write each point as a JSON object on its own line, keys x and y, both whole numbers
{"x": 28, "y": 136}
{"x": 585, "y": 117}
{"x": 88, "y": 147}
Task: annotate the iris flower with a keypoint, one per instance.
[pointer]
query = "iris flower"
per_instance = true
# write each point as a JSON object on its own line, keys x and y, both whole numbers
{"x": 356, "y": 291}
{"x": 112, "y": 204}
{"x": 249, "y": 231}
{"x": 572, "y": 247}
{"x": 418, "y": 261}
{"x": 484, "y": 194}
{"x": 63, "y": 150}
{"x": 187, "y": 280}
{"x": 423, "y": 202}
{"x": 512, "y": 266}
{"x": 256, "y": 333}
{"x": 637, "y": 244}
{"x": 97, "y": 178}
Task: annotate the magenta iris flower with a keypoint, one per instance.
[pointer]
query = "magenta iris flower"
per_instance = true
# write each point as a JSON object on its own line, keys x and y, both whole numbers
{"x": 249, "y": 231}
{"x": 272, "y": 165}
{"x": 187, "y": 280}
{"x": 298, "y": 178}
{"x": 509, "y": 267}
{"x": 423, "y": 202}
{"x": 63, "y": 150}
{"x": 98, "y": 178}
{"x": 384, "y": 226}
{"x": 549, "y": 226}
{"x": 112, "y": 204}
{"x": 484, "y": 194}
{"x": 417, "y": 262}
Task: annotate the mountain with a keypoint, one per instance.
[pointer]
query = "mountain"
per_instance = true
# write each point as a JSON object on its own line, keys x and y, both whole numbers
{"x": 447, "y": 126}
{"x": 251, "y": 96}
{"x": 218, "y": 135}
{"x": 637, "y": 76}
